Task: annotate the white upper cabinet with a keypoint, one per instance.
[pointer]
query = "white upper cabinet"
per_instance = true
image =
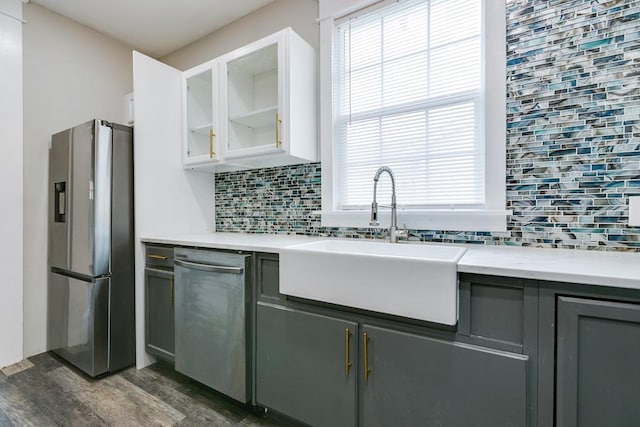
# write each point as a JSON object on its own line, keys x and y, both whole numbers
{"x": 253, "y": 107}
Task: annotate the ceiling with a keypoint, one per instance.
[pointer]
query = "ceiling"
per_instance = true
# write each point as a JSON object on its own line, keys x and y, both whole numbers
{"x": 155, "y": 27}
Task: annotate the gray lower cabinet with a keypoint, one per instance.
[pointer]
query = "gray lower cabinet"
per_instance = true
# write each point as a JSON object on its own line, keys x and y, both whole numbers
{"x": 159, "y": 300}
{"x": 305, "y": 365}
{"x": 598, "y": 363}
{"x": 412, "y": 380}
{"x": 326, "y": 371}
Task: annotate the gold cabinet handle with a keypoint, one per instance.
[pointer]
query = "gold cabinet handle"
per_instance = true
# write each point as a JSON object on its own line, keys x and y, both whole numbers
{"x": 172, "y": 294}
{"x": 278, "y": 121}
{"x": 347, "y": 364}
{"x": 366, "y": 356}
{"x": 211, "y": 152}
{"x": 154, "y": 256}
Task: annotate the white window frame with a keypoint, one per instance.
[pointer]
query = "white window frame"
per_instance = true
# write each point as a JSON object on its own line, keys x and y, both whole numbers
{"x": 492, "y": 216}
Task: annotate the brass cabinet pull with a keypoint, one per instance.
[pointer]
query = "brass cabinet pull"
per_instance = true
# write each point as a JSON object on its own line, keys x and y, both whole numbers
{"x": 366, "y": 356}
{"x": 278, "y": 121}
{"x": 154, "y": 256}
{"x": 211, "y": 152}
{"x": 171, "y": 290}
{"x": 347, "y": 364}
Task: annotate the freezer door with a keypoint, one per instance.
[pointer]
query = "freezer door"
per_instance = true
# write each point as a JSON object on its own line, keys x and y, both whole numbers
{"x": 78, "y": 317}
{"x": 80, "y": 199}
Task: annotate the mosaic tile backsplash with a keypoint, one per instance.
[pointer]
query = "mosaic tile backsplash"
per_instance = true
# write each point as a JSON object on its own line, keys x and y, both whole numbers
{"x": 573, "y": 140}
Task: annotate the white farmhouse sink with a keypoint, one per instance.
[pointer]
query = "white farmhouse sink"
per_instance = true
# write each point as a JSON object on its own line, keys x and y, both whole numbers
{"x": 414, "y": 281}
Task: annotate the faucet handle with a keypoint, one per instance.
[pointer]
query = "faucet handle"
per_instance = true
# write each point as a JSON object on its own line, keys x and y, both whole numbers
{"x": 374, "y": 214}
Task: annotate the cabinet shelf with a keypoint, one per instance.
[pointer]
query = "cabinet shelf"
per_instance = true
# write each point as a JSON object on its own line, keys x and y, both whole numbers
{"x": 263, "y": 117}
{"x": 201, "y": 129}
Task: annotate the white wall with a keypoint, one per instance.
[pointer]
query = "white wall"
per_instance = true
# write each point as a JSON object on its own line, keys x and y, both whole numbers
{"x": 338, "y": 8}
{"x": 71, "y": 74}
{"x": 11, "y": 177}
{"x": 301, "y": 15}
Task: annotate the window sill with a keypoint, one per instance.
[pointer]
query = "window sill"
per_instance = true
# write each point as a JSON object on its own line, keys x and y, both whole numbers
{"x": 458, "y": 220}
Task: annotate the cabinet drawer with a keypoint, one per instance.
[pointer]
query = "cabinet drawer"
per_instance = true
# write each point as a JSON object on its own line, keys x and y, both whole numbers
{"x": 268, "y": 275}
{"x": 498, "y": 312}
{"x": 159, "y": 256}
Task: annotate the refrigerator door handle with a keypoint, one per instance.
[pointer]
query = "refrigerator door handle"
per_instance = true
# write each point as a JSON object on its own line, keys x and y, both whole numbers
{"x": 100, "y": 199}
{"x": 69, "y": 204}
{"x": 76, "y": 276}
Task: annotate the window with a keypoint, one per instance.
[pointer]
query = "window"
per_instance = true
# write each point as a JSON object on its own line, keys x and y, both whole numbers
{"x": 408, "y": 89}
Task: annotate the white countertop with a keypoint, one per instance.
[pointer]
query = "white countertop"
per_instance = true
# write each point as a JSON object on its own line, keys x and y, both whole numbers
{"x": 614, "y": 269}
{"x": 235, "y": 241}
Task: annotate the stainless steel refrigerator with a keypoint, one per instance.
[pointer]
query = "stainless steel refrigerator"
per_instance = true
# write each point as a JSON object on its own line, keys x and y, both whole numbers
{"x": 91, "y": 294}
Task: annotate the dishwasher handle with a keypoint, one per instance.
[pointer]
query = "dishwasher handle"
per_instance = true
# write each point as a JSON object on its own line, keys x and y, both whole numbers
{"x": 209, "y": 267}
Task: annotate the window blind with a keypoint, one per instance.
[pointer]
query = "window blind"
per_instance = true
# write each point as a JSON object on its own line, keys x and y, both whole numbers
{"x": 408, "y": 95}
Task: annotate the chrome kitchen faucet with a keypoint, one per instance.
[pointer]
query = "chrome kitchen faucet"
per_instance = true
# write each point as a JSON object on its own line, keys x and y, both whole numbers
{"x": 394, "y": 232}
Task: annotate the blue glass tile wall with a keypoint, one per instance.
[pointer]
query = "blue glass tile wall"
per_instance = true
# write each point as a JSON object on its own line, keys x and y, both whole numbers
{"x": 573, "y": 139}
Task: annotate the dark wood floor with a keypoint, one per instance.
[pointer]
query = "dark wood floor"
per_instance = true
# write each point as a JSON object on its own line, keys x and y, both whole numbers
{"x": 50, "y": 393}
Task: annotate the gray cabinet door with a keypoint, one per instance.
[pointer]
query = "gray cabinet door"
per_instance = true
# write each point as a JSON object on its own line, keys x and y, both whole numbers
{"x": 301, "y": 365}
{"x": 419, "y": 381}
{"x": 159, "y": 299}
{"x": 598, "y": 363}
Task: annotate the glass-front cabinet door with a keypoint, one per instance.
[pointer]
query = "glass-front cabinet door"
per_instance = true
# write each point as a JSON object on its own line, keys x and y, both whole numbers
{"x": 201, "y": 124}
{"x": 252, "y": 95}
{"x": 253, "y": 107}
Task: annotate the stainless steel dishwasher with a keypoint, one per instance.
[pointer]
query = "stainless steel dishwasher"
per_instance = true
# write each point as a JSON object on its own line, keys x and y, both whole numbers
{"x": 211, "y": 329}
